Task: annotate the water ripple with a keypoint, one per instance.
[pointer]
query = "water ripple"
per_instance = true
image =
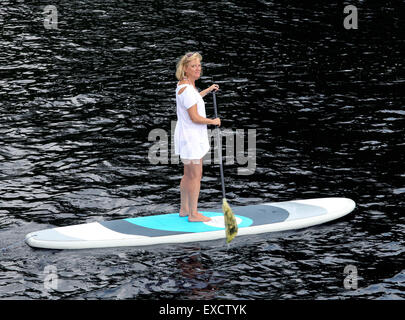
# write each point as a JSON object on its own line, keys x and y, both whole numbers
{"x": 77, "y": 105}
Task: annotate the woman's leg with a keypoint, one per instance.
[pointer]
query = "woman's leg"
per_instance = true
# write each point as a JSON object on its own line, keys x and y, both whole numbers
{"x": 190, "y": 190}
{"x": 184, "y": 210}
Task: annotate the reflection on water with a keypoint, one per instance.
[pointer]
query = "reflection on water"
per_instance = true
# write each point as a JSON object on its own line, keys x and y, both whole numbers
{"x": 78, "y": 103}
{"x": 198, "y": 281}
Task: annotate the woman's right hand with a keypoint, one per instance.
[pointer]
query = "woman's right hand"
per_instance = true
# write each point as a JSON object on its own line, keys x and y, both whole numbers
{"x": 216, "y": 122}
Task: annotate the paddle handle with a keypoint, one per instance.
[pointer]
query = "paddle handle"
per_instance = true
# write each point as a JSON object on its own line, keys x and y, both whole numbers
{"x": 219, "y": 146}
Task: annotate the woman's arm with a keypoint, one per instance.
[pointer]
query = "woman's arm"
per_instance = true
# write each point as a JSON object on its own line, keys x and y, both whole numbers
{"x": 196, "y": 118}
{"x": 209, "y": 89}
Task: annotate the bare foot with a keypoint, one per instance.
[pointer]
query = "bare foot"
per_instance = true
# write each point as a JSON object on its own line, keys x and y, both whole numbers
{"x": 198, "y": 218}
{"x": 184, "y": 214}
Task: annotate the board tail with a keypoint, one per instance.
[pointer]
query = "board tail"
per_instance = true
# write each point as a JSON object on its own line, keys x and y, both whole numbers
{"x": 231, "y": 226}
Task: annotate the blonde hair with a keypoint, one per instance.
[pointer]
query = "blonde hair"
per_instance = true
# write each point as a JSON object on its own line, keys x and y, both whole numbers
{"x": 184, "y": 61}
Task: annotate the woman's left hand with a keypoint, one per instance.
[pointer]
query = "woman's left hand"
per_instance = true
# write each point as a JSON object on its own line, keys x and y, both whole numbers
{"x": 214, "y": 87}
{"x": 209, "y": 89}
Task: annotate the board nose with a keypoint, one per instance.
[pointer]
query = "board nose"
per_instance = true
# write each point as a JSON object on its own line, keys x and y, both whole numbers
{"x": 333, "y": 205}
{"x": 346, "y": 204}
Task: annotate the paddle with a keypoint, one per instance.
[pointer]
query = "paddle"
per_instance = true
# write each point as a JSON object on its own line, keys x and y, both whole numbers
{"x": 231, "y": 227}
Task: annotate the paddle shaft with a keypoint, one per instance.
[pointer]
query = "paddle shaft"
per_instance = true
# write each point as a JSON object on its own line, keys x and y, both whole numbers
{"x": 219, "y": 146}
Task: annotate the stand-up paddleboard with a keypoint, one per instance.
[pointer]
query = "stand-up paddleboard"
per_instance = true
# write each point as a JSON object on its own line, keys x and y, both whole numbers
{"x": 171, "y": 228}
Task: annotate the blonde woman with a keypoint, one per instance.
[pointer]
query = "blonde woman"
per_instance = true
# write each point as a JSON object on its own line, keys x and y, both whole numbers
{"x": 191, "y": 136}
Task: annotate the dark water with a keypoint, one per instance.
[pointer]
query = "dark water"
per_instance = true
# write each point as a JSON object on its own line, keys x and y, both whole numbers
{"x": 77, "y": 105}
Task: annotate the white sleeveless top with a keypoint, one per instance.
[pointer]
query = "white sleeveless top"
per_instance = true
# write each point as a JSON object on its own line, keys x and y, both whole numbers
{"x": 190, "y": 139}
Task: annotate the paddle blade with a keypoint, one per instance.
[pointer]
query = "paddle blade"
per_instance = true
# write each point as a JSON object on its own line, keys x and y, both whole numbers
{"x": 231, "y": 227}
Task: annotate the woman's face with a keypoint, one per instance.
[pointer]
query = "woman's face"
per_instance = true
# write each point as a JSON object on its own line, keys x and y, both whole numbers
{"x": 193, "y": 69}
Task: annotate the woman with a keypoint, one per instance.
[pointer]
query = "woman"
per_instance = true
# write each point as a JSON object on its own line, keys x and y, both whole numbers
{"x": 191, "y": 136}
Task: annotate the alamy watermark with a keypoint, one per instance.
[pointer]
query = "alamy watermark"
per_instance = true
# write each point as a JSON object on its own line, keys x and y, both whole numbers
{"x": 234, "y": 148}
{"x": 350, "y": 282}
{"x": 51, "y": 17}
{"x": 50, "y": 278}
{"x": 351, "y": 20}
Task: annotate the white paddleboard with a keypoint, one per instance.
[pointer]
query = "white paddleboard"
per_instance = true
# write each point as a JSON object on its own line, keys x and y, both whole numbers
{"x": 171, "y": 228}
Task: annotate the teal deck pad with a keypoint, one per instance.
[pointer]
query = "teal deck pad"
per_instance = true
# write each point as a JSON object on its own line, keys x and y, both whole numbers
{"x": 173, "y": 222}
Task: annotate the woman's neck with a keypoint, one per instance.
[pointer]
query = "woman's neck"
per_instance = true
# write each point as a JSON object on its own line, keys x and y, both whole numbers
{"x": 190, "y": 80}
